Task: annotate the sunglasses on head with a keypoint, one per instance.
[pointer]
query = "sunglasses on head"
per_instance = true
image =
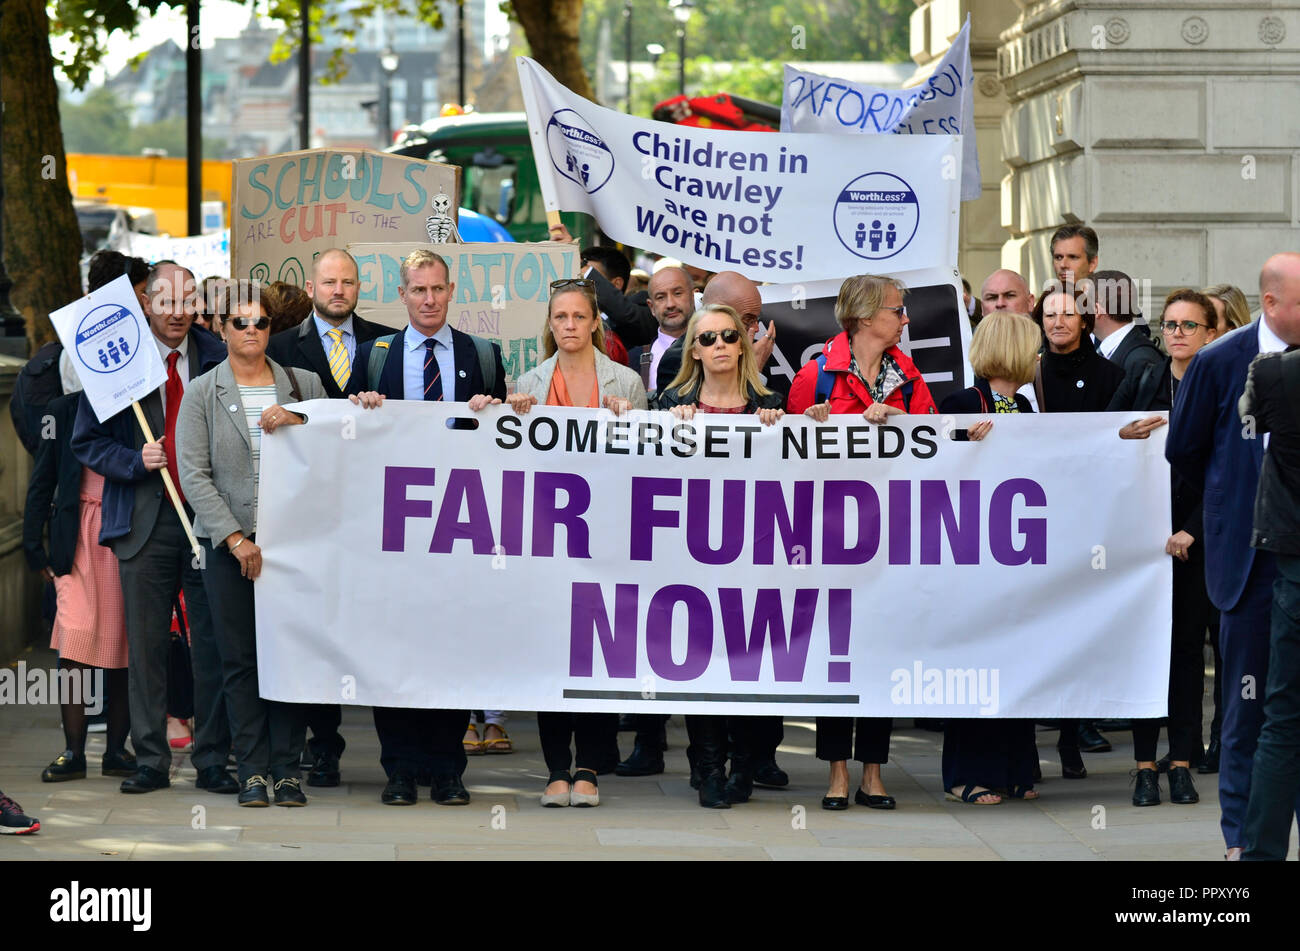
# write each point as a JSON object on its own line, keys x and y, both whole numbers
{"x": 572, "y": 282}
{"x": 709, "y": 337}
{"x": 243, "y": 323}
{"x": 1186, "y": 326}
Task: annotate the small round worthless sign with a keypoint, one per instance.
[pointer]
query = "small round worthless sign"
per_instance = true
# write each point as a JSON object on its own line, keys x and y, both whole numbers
{"x": 107, "y": 338}
{"x": 876, "y": 215}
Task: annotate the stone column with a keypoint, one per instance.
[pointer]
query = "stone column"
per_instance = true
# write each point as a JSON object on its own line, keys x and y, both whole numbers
{"x": 1172, "y": 128}
{"x": 934, "y": 25}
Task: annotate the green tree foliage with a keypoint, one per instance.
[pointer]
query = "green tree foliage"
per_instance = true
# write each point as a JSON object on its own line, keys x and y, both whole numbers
{"x": 98, "y": 124}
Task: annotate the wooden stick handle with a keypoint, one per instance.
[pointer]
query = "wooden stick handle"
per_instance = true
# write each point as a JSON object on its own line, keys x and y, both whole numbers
{"x": 167, "y": 481}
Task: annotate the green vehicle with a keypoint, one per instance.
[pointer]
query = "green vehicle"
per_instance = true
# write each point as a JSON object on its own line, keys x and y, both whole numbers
{"x": 499, "y": 174}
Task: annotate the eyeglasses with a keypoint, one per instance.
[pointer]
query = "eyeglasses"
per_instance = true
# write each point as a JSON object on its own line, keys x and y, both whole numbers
{"x": 708, "y": 338}
{"x": 1186, "y": 326}
{"x": 582, "y": 282}
{"x": 243, "y": 323}
{"x": 899, "y": 312}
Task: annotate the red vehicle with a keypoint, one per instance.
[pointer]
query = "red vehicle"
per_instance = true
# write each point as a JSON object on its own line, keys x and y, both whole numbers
{"x": 720, "y": 111}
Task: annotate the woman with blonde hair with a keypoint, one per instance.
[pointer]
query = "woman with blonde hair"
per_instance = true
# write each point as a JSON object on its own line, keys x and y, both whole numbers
{"x": 719, "y": 373}
{"x": 1004, "y": 356}
{"x": 1231, "y": 306}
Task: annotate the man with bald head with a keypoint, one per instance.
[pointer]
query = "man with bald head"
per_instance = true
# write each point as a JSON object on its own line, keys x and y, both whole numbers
{"x": 1215, "y": 450}
{"x": 140, "y": 524}
{"x": 740, "y": 294}
{"x": 326, "y": 343}
{"x": 1006, "y": 290}
{"x": 327, "y": 339}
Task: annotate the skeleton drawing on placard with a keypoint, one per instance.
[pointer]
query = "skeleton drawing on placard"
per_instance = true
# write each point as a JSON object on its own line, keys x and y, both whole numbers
{"x": 440, "y": 226}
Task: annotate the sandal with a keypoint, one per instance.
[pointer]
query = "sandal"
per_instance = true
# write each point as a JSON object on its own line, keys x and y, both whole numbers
{"x": 1028, "y": 793}
{"x": 496, "y": 744}
{"x": 472, "y": 744}
{"x": 971, "y": 796}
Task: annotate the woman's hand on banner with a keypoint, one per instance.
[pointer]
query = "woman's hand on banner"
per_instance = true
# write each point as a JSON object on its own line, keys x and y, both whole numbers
{"x": 769, "y": 417}
{"x": 820, "y": 412}
{"x": 979, "y": 430}
{"x": 521, "y": 403}
{"x": 481, "y": 401}
{"x": 367, "y": 400}
{"x": 683, "y": 411}
{"x": 617, "y": 404}
{"x": 273, "y": 417}
{"x": 879, "y": 412}
{"x": 1142, "y": 428}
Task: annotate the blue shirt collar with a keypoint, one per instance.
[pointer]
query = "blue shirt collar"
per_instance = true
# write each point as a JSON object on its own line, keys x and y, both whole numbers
{"x": 414, "y": 339}
{"x": 324, "y": 326}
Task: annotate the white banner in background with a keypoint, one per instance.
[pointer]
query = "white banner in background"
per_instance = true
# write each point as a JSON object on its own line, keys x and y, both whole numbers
{"x": 775, "y": 207}
{"x": 942, "y": 105}
{"x": 206, "y": 255}
{"x": 111, "y": 346}
{"x": 569, "y": 560}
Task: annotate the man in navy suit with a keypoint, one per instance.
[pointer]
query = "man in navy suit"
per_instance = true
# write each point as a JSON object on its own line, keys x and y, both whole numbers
{"x": 1212, "y": 449}
{"x": 428, "y": 360}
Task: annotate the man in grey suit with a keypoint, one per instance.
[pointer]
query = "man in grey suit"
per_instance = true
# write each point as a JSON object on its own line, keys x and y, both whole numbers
{"x": 140, "y": 524}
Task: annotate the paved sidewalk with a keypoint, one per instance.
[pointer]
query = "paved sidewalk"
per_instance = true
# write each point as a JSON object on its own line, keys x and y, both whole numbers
{"x": 648, "y": 818}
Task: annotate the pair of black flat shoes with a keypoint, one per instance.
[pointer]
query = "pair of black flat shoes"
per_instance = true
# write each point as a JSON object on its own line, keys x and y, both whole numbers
{"x": 840, "y": 803}
{"x": 69, "y": 765}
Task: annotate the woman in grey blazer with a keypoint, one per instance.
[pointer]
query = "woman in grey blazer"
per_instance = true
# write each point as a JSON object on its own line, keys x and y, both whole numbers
{"x": 575, "y": 372}
{"x": 225, "y": 415}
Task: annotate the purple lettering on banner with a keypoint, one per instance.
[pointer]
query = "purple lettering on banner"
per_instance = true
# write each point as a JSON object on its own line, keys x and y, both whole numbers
{"x": 646, "y": 518}
{"x": 771, "y": 515}
{"x": 659, "y": 632}
{"x": 398, "y": 508}
{"x": 839, "y": 623}
{"x": 900, "y": 522}
{"x": 589, "y": 622}
{"x": 464, "y": 487}
{"x": 963, "y": 530}
{"x": 745, "y": 653}
{"x": 1033, "y": 530}
{"x": 547, "y": 514}
{"x": 512, "y": 512}
{"x": 698, "y": 518}
{"x": 834, "y": 522}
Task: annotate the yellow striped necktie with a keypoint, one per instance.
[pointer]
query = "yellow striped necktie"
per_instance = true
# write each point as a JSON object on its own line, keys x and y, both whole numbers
{"x": 340, "y": 365}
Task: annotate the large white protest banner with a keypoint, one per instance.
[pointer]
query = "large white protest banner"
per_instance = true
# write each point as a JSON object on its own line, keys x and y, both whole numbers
{"x": 942, "y": 105}
{"x": 502, "y": 290}
{"x": 773, "y": 206}
{"x": 643, "y": 563}
{"x": 111, "y": 347}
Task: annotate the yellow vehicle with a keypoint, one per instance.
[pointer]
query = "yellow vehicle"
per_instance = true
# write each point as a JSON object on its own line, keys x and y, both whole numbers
{"x": 148, "y": 181}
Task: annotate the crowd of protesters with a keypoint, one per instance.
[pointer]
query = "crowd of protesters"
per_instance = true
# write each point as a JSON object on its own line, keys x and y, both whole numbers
{"x": 99, "y": 526}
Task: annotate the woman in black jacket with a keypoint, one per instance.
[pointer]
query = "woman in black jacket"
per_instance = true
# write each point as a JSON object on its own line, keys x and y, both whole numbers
{"x": 1188, "y": 324}
{"x": 1073, "y": 377}
{"x": 981, "y": 755}
{"x": 719, "y": 373}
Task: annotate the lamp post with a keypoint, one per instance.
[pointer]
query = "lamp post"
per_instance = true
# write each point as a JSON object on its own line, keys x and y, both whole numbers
{"x": 682, "y": 14}
{"x": 304, "y": 76}
{"x": 388, "y": 63}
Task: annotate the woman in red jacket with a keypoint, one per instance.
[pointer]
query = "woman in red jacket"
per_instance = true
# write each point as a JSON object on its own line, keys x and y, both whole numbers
{"x": 861, "y": 371}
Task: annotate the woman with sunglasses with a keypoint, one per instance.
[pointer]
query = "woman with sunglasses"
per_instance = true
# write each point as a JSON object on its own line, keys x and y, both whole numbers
{"x": 225, "y": 415}
{"x": 574, "y": 372}
{"x": 718, "y": 373}
{"x": 1189, "y": 322}
{"x": 861, "y": 372}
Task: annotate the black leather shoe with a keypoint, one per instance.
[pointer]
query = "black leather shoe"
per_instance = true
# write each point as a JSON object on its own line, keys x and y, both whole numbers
{"x": 642, "y": 762}
{"x": 400, "y": 791}
{"x": 713, "y": 791}
{"x": 288, "y": 792}
{"x": 450, "y": 791}
{"x": 67, "y": 765}
{"x": 771, "y": 776}
{"x": 1072, "y": 764}
{"x": 739, "y": 787}
{"x": 835, "y": 803}
{"x": 121, "y": 763}
{"x": 874, "y": 802}
{"x": 216, "y": 779}
{"x": 1210, "y": 761}
{"x": 1146, "y": 790}
{"x": 146, "y": 779}
{"x": 324, "y": 770}
{"x": 1090, "y": 741}
{"x": 253, "y": 794}
{"x": 1181, "y": 789}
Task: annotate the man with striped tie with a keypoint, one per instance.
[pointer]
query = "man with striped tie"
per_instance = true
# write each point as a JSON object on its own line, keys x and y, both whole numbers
{"x": 325, "y": 343}
{"x": 428, "y": 360}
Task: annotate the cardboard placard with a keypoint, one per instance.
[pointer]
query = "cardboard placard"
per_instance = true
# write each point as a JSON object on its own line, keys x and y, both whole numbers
{"x": 290, "y": 207}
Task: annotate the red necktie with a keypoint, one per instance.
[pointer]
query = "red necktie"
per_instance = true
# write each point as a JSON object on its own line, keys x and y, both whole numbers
{"x": 174, "y": 393}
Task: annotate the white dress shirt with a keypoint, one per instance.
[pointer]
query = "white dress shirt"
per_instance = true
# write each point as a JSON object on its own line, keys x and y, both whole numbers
{"x": 1110, "y": 344}
{"x": 182, "y": 365}
{"x": 413, "y": 363}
